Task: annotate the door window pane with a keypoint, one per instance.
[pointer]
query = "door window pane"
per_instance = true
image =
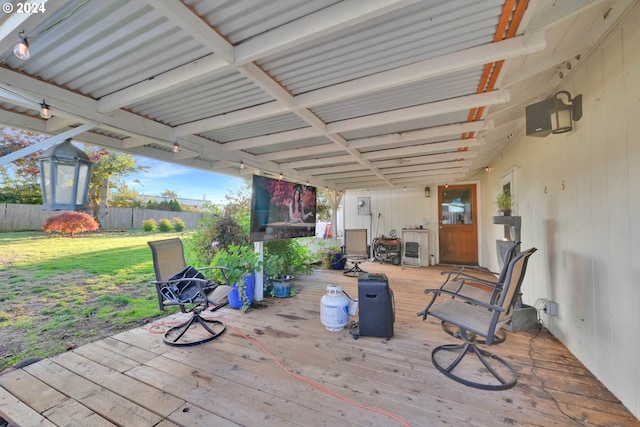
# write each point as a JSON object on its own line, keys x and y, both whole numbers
{"x": 456, "y": 207}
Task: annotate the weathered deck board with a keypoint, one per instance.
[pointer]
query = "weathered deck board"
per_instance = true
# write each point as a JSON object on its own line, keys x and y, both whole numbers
{"x": 133, "y": 378}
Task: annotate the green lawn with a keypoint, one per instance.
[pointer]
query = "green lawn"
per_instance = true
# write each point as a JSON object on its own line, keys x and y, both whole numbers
{"x": 57, "y": 292}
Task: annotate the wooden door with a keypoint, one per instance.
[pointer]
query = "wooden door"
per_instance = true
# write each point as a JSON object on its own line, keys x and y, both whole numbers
{"x": 458, "y": 224}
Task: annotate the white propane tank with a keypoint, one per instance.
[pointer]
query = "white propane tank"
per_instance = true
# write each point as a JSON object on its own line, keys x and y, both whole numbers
{"x": 334, "y": 308}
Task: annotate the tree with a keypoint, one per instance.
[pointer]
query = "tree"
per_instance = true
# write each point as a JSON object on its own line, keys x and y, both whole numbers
{"x": 107, "y": 169}
{"x": 70, "y": 223}
{"x": 238, "y": 206}
{"x": 323, "y": 209}
{"x": 20, "y": 179}
{"x": 125, "y": 197}
{"x": 168, "y": 194}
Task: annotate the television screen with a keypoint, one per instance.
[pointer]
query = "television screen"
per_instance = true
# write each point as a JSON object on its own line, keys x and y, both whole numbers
{"x": 281, "y": 210}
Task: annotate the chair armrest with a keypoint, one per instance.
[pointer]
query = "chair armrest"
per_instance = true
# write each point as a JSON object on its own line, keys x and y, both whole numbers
{"x": 470, "y": 300}
{"x": 458, "y": 275}
{"x": 462, "y": 268}
{"x": 439, "y": 291}
{"x": 224, "y": 271}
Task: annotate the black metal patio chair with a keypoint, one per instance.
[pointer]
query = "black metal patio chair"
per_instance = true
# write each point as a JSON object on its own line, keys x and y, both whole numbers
{"x": 185, "y": 286}
{"x": 475, "y": 318}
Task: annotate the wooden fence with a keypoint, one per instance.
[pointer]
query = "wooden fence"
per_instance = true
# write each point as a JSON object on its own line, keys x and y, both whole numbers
{"x": 32, "y": 217}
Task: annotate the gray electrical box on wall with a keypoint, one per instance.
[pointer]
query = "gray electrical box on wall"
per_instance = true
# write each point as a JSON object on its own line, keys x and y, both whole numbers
{"x": 364, "y": 205}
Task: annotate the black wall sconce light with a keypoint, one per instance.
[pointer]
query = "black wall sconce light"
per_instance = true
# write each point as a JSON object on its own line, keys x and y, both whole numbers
{"x": 563, "y": 115}
{"x": 427, "y": 191}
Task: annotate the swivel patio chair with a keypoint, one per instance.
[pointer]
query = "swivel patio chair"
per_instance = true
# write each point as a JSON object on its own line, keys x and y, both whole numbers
{"x": 475, "y": 318}
{"x": 356, "y": 250}
{"x": 187, "y": 287}
{"x": 482, "y": 289}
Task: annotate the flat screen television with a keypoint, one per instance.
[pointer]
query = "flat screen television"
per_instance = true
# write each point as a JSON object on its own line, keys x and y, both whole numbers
{"x": 281, "y": 210}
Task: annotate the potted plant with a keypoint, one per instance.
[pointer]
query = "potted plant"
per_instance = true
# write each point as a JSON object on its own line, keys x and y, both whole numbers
{"x": 333, "y": 258}
{"x": 504, "y": 202}
{"x": 242, "y": 263}
{"x": 273, "y": 265}
{"x": 284, "y": 259}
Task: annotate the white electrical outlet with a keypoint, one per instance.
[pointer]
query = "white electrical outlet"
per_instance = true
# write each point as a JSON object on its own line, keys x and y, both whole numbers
{"x": 551, "y": 308}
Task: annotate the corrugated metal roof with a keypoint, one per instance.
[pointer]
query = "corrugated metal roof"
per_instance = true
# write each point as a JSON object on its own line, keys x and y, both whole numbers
{"x": 212, "y": 96}
{"x": 240, "y": 20}
{"x": 268, "y": 126}
{"x": 290, "y": 82}
{"x": 421, "y": 31}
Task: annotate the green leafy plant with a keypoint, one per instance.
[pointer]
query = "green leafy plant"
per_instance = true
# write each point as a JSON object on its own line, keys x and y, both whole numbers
{"x": 328, "y": 251}
{"x": 297, "y": 257}
{"x": 240, "y": 261}
{"x": 274, "y": 265}
{"x": 178, "y": 224}
{"x": 165, "y": 225}
{"x": 213, "y": 233}
{"x": 149, "y": 224}
{"x": 70, "y": 223}
{"x": 504, "y": 202}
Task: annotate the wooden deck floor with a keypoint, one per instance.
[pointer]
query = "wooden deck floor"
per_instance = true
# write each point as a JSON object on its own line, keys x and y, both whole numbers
{"x": 327, "y": 378}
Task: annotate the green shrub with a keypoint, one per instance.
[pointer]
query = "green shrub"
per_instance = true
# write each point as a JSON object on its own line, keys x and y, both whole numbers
{"x": 297, "y": 258}
{"x": 165, "y": 225}
{"x": 213, "y": 233}
{"x": 149, "y": 224}
{"x": 178, "y": 224}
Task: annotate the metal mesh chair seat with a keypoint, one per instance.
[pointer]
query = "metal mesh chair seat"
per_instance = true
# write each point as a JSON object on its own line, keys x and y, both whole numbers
{"x": 475, "y": 318}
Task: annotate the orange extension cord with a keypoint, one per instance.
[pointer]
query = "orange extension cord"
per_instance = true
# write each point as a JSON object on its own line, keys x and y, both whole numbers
{"x": 157, "y": 328}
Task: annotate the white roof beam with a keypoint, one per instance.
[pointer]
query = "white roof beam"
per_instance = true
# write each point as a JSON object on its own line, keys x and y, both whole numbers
{"x": 427, "y": 159}
{"x": 15, "y": 155}
{"x": 446, "y": 177}
{"x": 427, "y": 167}
{"x": 185, "y": 18}
{"x": 461, "y": 60}
{"x": 353, "y": 174}
{"x": 166, "y": 81}
{"x": 56, "y": 123}
{"x": 416, "y": 135}
{"x": 276, "y": 138}
{"x": 85, "y": 108}
{"x": 22, "y": 121}
{"x": 301, "y": 152}
{"x": 330, "y": 170}
{"x": 326, "y": 21}
{"x": 333, "y": 160}
{"x": 269, "y": 109}
{"x": 17, "y": 22}
{"x": 313, "y": 26}
{"x": 427, "y": 173}
{"x": 421, "y": 111}
{"x": 413, "y": 150}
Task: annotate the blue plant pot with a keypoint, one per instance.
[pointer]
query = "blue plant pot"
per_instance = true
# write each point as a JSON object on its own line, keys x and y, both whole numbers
{"x": 234, "y": 297}
{"x": 282, "y": 286}
{"x": 338, "y": 262}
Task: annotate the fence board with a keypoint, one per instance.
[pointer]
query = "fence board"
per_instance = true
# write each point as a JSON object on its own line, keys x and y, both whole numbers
{"x": 16, "y": 217}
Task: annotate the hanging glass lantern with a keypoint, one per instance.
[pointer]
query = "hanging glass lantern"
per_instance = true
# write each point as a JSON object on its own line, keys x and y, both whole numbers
{"x": 64, "y": 175}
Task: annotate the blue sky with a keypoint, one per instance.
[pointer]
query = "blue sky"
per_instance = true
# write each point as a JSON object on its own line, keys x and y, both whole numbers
{"x": 187, "y": 182}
